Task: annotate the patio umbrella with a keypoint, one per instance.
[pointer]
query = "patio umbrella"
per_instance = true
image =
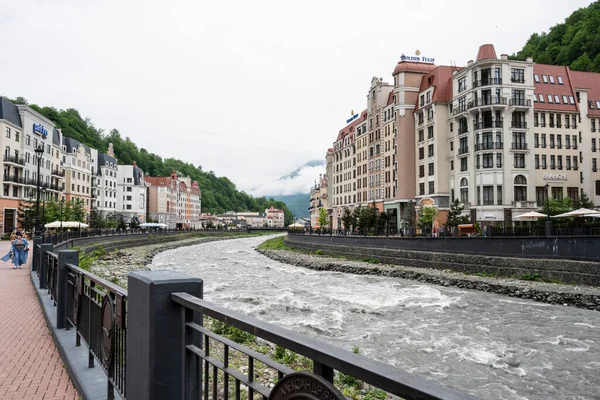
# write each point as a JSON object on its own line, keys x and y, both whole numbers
{"x": 531, "y": 215}
{"x": 55, "y": 224}
{"x": 582, "y": 212}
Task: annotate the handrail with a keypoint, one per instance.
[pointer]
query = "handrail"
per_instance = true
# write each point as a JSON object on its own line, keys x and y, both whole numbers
{"x": 98, "y": 280}
{"x": 383, "y": 376}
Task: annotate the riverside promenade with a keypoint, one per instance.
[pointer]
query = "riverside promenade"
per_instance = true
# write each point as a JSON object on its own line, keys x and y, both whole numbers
{"x": 30, "y": 366}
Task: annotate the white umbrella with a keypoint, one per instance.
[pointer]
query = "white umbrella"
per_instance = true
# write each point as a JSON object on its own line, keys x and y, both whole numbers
{"x": 55, "y": 224}
{"x": 295, "y": 225}
{"x": 582, "y": 212}
{"x": 592, "y": 215}
{"x": 153, "y": 225}
{"x": 66, "y": 224}
{"x": 531, "y": 215}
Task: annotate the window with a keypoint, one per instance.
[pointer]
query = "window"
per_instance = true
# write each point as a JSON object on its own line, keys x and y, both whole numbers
{"x": 430, "y": 150}
{"x": 536, "y": 140}
{"x": 451, "y": 165}
{"x": 536, "y": 78}
{"x": 519, "y": 160}
{"x": 560, "y": 80}
{"x": 565, "y": 99}
{"x": 488, "y": 195}
{"x": 575, "y": 162}
{"x": 574, "y": 141}
{"x": 551, "y": 79}
{"x": 431, "y": 187}
{"x": 593, "y": 121}
{"x": 430, "y": 132}
{"x": 462, "y": 84}
{"x": 559, "y": 159}
{"x": 422, "y": 102}
{"x": 556, "y": 99}
{"x": 464, "y": 190}
{"x": 544, "y": 164}
{"x": 543, "y": 140}
{"x": 8, "y": 132}
{"x": 549, "y": 98}
{"x": 574, "y": 121}
{"x": 463, "y": 164}
{"x": 421, "y": 153}
{"x": 573, "y": 193}
{"x": 535, "y": 119}
{"x": 543, "y": 122}
{"x": 552, "y": 162}
{"x": 557, "y": 193}
{"x": 430, "y": 169}
{"x": 421, "y": 189}
{"x": 537, "y": 161}
{"x": 551, "y": 140}
{"x": 597, "y": 106}
{"x": 571, "y": 100}
{"x": 421, "y": 135}
{"x": 558, "y": 121}
{"x": 568, "y": 162}
{"x": 541, "y": 195}
{"x": 541, "y": 97}
{"x": 517, "y": 75}
{"x": 559, "y": 141}
{"x": 451, "y": 146}
{"x": 488, "y": 160}
{"x": 17, "y": 135}
{"x": 499, "y": 160}
{"x": 545, "y": 78}
{"x": 421, "y": 171}
{"x": 520, "y": 188}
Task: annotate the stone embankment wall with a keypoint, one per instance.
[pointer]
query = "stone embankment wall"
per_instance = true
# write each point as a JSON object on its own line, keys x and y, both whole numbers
{"x": 578, "y": 296}
{"x": 567, "y": 271}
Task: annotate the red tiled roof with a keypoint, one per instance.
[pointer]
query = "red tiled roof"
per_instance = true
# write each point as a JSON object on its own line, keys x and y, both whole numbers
{"x": 390, "y": 100}
{"x": 441, "y": 80}
{"x": 555, "y": 88}
{"x": 590, "y": 81}
{"x": 349, "y": 129}
{"x": 410, "y": 66}
{"x": 486, "y": 52}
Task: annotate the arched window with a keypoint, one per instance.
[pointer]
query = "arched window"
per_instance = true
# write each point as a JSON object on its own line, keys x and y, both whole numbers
{"x": 520, "y": 188}
{"x": 464, "y": 190}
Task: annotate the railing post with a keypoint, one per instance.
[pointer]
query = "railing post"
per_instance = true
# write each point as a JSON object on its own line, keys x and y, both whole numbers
{"x": 35, "y": 261}
{"x": 64, "y": 257}
{"x": 42, "y": 264}
{"x": 156, "y": 335}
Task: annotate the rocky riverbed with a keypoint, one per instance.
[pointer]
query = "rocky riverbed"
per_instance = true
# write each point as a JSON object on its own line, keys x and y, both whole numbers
{"x": 115, "y": 266}
{"x": 587, "y": 297}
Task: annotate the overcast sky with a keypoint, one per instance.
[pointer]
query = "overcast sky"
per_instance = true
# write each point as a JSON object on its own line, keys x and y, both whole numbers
{"x": 249, "y": 89}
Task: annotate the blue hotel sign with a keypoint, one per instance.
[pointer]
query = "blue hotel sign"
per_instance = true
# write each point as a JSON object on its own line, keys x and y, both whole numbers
{"x": 40, "y": 130}
{"x": 352, "y": 118}
{"x": 417, "y": 58}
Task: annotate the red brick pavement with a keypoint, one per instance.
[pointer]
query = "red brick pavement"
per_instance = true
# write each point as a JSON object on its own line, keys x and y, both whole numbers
{"x": 30, "y": 366}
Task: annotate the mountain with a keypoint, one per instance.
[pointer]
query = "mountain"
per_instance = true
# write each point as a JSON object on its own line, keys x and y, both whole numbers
{"x": 219, "y": 194}
{"x": 294, "y": 188}
{"x": 575, "y": 43}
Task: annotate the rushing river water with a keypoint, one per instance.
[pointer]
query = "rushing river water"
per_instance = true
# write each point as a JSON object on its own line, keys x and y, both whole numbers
{"x": 492, "y": 346}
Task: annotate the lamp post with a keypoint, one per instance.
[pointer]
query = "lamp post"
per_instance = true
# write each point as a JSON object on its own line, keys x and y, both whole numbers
{"x": 62, "y": 203}
{"x": 42, "y": 227}
{"x": 39, "y": 151}
{"x": 548, "y": 222}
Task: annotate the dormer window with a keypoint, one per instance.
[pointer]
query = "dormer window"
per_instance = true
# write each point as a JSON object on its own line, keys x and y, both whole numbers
{"x": 541, "y": 98}
{"x": 549, "y": 98}
{"x": 545, "y": 78}
{"x": 560, "y": 81}
{"x": 551, "y": 79}
{"x": 536, "y": 78}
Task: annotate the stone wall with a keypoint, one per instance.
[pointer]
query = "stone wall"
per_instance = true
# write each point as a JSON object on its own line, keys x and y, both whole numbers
{"x": 567, "y": 271}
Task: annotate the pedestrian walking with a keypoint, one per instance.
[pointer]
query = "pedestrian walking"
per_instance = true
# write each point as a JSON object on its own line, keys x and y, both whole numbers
{"x": 18, "y": 252}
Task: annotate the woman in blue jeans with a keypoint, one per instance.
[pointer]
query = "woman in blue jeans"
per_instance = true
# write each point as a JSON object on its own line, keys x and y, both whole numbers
{"x": 19, "y": 250}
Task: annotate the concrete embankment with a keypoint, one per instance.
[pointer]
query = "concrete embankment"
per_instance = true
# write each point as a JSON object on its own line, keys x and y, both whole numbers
{"x": 587, "y": 297}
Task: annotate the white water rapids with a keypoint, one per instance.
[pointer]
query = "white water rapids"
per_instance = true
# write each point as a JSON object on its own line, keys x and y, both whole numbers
{"x": 492, "y": 346}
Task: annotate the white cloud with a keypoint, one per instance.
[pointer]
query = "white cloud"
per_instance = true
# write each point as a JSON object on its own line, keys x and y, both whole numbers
{"x": 299, "y": 184}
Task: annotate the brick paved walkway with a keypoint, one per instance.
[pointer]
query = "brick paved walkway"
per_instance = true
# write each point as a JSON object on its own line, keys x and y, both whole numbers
{"x": 30, "y": 366}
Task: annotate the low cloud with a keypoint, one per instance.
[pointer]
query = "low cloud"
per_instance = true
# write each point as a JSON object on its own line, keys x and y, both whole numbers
{"x": 299, "y": 181}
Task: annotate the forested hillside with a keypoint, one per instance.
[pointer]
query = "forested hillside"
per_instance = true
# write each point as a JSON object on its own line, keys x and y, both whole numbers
{"x": 575, "y": 43}
{"x": 219, "y": 194}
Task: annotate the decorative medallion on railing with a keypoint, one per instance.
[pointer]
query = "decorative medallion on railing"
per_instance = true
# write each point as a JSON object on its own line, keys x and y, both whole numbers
{"x": 304, "y": 385}
{"x": 108, "y": 321}
{"x": 77, "y": 293}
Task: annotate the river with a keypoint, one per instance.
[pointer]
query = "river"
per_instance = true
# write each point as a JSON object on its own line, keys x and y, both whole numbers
{"x": 492, "y": 346}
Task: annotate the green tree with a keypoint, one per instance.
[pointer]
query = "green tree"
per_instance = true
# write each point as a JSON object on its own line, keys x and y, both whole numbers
{"x": 583, "y": 202}
{"x": 455, "y": 216}
{"x": 383, "y": 222}
{"x": 408, "y": 214}
{"x": 427, "y": 215}
{"x": 121, "y": 223}
{"x": 112, "y": 220}
{"x": 347, "y": 219}
{"x": 26, "y": 215}
{"x": 323, "y": 218}
{"x": 95, "y": 219}
{"x": 555, "y": 207}
{"x": 134, "y": 223}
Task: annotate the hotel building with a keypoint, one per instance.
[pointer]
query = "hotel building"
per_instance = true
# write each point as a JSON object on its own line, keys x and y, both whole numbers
{"x": 174, "y": 201}
{"x": 22, "y": 130}
{"x": 501, "y": 136}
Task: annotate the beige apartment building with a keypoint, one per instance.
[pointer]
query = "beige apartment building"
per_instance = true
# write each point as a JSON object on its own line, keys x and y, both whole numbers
{"x": 77, "y": 163}
{"x": 318, "y": 200}
{"x": 175, "y": 201}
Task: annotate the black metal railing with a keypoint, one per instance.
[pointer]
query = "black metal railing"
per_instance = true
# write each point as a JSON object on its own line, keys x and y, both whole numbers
{"x": 487, "y": 101}
{"x": 204, "y": 367}
{"x": 487, "y": 124}
{"x": 486, "y": 82}
{"x": 518, "y": 124}
{"x": 97, "y": 310}
{"x": 14, "y": 159}
{"x": 51, "y": 274}
{"x": 515, "y": 101}
{"x": 519, "y": 146}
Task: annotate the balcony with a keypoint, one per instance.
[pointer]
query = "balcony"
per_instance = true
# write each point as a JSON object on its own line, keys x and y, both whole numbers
{"x": 518, "y": 124}
{"x": 519, "y": 146}
{"x": 458, "y": 110}
{"x": 517, "y": 80}
{"x": 8, "y": 159}
{"x": 59, "y": 173}
{"x": 484, "y": 146}
{"x": 463, "y": 150}
{"x": 518, "y": 165}
{"x": 517, "y": 102}
{"x": 523, "y": 204}
{"x": 462, "y": 130}
{"x": 487, "y": 124}
{"x": 487, "y": 101}
{"x": 487, "y": 82}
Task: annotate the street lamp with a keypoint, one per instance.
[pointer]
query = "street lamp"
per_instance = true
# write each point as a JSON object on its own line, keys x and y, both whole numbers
{"x": 39, "y": 151}
{"x": 548, "y": 222}
{"x": 62, "y": 203}
{"x": 43, "y": 228}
